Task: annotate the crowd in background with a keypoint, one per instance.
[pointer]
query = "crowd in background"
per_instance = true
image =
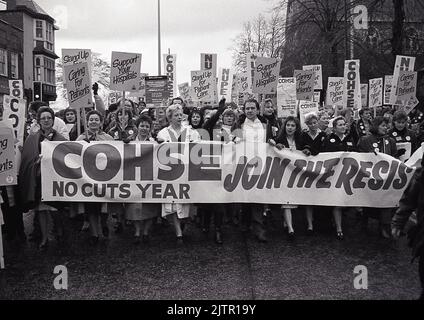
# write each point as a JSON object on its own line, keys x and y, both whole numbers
{"x": 330, "y": 130}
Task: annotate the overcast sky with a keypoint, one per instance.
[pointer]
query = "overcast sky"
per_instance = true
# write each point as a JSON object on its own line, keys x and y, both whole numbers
{"x": 189, "y": 27}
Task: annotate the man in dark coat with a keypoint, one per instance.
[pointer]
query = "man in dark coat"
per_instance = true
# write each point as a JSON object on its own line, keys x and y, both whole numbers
{"x": 413, "y": 199}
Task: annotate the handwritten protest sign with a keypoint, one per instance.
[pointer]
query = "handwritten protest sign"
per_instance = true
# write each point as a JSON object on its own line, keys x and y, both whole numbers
{"x": 8, "y": 167}
{"x": 141, "y": 90}
{"x": 305, "y": 84}
{"x": 317, "y": 96}
{"x": 244, "y": 83}
{"x": 403, "y": 63}
{"x": 286, "y": 97}
{"x": 407, "y": 85}
{"x": 78, "y": 85}
{"x": 170, "y": 65}
{"x": 335, "y": 88}
{"x": 376, "y": 93}
{"x": 226, "y": 173}
{"x": 306, "y": 107}
{"x": 203, "y": 85}
{"x": 16, "y": 89}
{"x": 225, "y": 83}
{"x": 388, "y": 81}
{"x": 114, "y": 97}
{"x": 364, "y": 94}
{"x": 265, "y": 78}
{"x": 184, "y": 89}
{"x": 77, "y": 56}
{"x": 157, "y": 90}
{"x": 352, "y": 85}
{"x": 409, "y": 105}
{"x": 124, "y": 71}
{"x": 318, "y": 75}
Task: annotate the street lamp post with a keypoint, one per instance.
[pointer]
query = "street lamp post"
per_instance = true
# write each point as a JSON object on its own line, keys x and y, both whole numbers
{"x": 159, "y": 44}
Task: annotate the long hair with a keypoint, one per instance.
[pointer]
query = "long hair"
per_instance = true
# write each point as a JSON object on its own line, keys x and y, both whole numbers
{"x": 297, "y": 133}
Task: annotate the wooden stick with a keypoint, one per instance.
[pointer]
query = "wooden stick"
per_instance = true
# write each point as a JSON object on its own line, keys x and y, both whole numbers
{"x": 78, "y": 122}
{"x": 85, "y": 123}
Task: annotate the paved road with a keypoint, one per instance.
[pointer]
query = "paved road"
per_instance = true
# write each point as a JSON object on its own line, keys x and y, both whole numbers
{"x": 317, "y": 267}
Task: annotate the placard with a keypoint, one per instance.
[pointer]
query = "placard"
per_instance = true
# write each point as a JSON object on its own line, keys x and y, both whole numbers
{"x": 318, "y": 75}
{"x": 203, "y": 86}
{"x": 225, "y": 83}
{"x": 407, "y": 85}
{"x": 8, "y": 167}
{"x": 78, "y": 85}
{"x": 403, "y": 63}
{"x": 335, "y": 89}
{"x": 388, "y": 81}
{"x": 77, "y": 56}
{"x": 305, "y": 84}
{"x": 364, "y": 95}
{"x": 170, "y": 65}
{"x": 265, "y": 78}
{"x": 124, "y": 71}
{"x": 376, "y": 93}
{"x": 286, "y": 98}
{"x": 157, "y": 90}
{"x": 352, "y": 85}
{"x": 306, "y": 107}
{"x": 16, "y": 89}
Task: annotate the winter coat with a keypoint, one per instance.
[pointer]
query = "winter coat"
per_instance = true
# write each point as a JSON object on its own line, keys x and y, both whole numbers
{"x": 377, "y": 144}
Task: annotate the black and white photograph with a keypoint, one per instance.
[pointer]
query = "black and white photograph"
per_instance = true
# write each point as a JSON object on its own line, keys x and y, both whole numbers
{"x": 211, "y": 156}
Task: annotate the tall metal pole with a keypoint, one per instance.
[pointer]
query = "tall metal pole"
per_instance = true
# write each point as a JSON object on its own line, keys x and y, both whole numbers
{"x": 159, "y": 44}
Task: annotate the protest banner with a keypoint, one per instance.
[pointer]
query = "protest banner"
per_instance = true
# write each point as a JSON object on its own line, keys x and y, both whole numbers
{"x": 184, "y": 90}
{"x": 141, "y": 90}
{"x": 208, "y": 61}
{"x": 409, "y": 105}
{"x": 225, "y": 83}
{"x": 124, "y": 71}
{"x": 77, "y": 56}
{"x": 78, "y": 85}
{"x": 157, "y": 91}
{"x": 111, "y": 171}
{"x": 305, "y": 84}
{"x": 170, "y": 65}
{"x": 8, "y": 167}
{"x": 388, "y": 81}
{"x": 352, "y": 85}
{"x": 317, "y": 96}
{"x": 16, "y": 89}
{"x": 203, "y": 86}
{"x": 403, "y": 63}
{"x": 318, "y": 75}
{"x": 286, "y": 98}
{"x": 376, "y": 93}
{"x": 14, "y": 111}
{"x": 251, "y": 58}
{"x": 335, "y": 89}
{"x": 407, "y": 85}
{"x": 243, "y": 84}
{"x": 364, "y": 95}
{"x": 114, "y": 96}
{"x": 306, "y": 107}
{"x": 265, "y": 76}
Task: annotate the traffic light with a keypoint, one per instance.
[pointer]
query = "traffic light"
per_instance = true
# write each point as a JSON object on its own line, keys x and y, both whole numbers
{"x": 38, "y": 91}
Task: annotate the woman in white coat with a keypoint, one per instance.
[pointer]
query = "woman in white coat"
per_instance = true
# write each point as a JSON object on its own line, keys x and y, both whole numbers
{"x": 176, "y": 132}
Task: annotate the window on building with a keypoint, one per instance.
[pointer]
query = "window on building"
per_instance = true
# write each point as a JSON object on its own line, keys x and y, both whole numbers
{"x": 14, "y": 65}
{"x": 39, "y": 29}
{"x": 49, "y": 37}
{"x": 37, "y": 69}
{"x": 49, "y": 72}
{"x": 3, "y": 62}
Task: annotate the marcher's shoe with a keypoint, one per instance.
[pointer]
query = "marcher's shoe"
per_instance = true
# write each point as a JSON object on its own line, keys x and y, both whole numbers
{"x": 261, "y": 238}
{"x": 180, "y": 241}
{"x": 218, "y": 237}
{"x": 340, "y": 236}
{"x": 205, "y": 231}
{"x": 291, "y": 236}
{"x": 146, "y": 239}
{"x": 310, "y": 232}
{"x": 136, "y": 240}
{"x": 385, "y": 233}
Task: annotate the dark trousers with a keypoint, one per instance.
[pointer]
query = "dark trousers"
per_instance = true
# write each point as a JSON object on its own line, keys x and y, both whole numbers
{"x": 252, "y": 215}
{"x": 14, "y": 223}
{"x": 215, "y": 209}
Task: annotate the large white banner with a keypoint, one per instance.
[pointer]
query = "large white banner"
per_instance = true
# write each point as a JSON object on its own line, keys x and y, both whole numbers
{"x": 242, "y": 173}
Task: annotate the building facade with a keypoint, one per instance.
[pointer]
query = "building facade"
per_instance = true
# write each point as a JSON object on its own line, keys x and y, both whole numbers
{"x": 11, "y": 56}
{"x": 38, "y": 47}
